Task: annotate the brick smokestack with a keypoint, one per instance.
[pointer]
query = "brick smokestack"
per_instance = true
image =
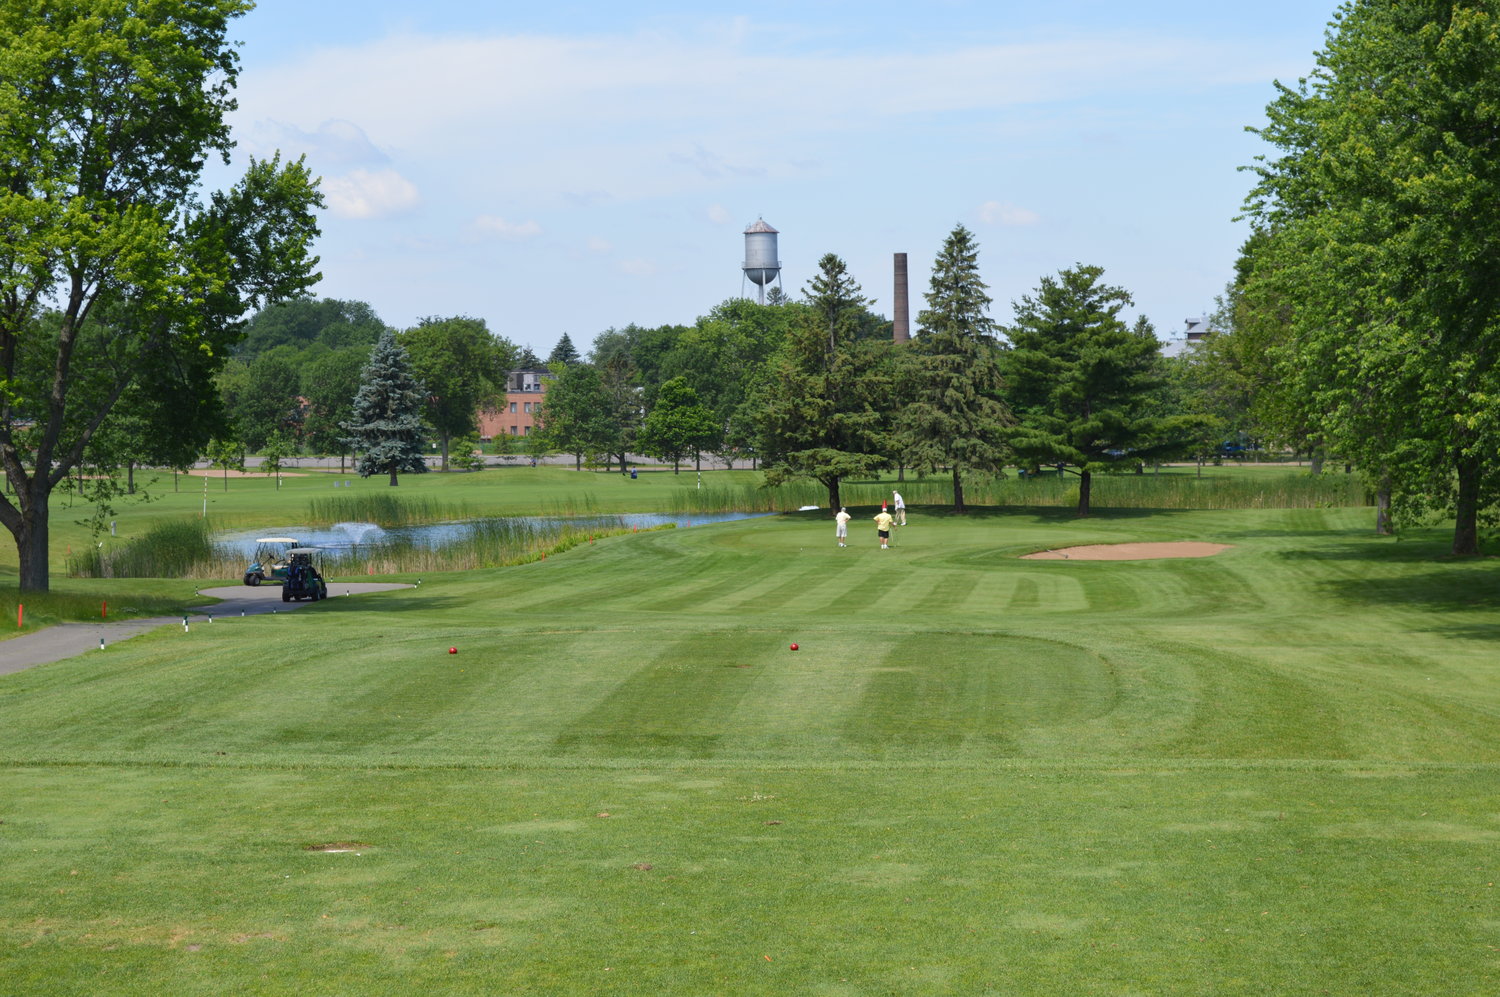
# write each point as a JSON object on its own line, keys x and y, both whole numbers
{"x": 901, "y": 319}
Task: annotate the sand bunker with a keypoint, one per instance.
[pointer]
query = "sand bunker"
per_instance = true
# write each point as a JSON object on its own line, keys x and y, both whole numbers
{"x": 1128, "y": 552}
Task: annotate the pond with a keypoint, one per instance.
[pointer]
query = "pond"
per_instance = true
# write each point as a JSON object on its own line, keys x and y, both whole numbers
{"x": 432, "y": 536}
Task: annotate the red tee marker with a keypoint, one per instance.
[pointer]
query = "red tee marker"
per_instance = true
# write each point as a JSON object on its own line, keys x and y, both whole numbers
{"x": 452, "y": 650}
{"x": 794, "y": 647}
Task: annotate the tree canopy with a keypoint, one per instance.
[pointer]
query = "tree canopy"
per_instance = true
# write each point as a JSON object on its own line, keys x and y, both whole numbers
{"x": 824, "y": 401}
{"x": 956, "y": 416}
{"x": 463, "y": 365}
{"x": 108, "y": 109}
{"x": 1081, "y": 381}
{"x": 1378, "y": 216}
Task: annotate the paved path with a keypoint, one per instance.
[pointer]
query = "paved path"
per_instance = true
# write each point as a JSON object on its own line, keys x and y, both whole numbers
{"x": 69, "y": 639}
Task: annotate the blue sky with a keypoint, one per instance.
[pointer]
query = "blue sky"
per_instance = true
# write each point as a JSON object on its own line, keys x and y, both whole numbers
{"x": 572, "y": 166}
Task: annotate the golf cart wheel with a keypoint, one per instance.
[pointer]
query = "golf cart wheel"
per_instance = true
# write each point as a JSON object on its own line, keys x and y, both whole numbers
{"x": 286, "y": 596}
{"x": 251, "y": 578}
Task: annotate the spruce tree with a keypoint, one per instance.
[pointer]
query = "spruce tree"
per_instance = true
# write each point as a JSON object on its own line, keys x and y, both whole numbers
{"x": 1083, "y": 383}
{"x": 956, "y": 418}
{"x": 823, "y": 398}
{"x": 387, "y": 423}
{"x": 563, "y": 352}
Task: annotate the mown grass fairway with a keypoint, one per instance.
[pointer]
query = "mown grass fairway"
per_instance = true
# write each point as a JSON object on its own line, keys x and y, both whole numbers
{"x": 1272, "y": 771}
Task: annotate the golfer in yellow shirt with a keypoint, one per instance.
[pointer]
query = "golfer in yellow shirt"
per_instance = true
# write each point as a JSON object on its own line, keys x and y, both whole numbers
{"x": 883, "y": 523}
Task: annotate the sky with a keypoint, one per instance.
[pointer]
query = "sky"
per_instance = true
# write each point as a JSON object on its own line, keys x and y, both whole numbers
{"x": 578, "y": 166}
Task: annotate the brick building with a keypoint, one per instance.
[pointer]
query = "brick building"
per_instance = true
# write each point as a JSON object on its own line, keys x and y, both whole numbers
{"x": 524, "y": 390}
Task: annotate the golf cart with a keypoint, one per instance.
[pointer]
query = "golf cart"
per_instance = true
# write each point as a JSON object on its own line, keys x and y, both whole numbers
{"x": 271, "y": 563}
{"x": 302, "y": 579}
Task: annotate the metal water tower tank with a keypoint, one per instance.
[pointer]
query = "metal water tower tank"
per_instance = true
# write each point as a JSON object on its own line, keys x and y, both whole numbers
{"x": 761, "y": 266}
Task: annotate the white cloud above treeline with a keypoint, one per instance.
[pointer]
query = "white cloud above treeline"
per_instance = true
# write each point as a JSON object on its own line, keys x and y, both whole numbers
{"x": 363, "y": 194}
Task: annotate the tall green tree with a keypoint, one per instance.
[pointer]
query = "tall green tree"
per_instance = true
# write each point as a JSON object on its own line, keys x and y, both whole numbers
{"x": 678, "y": 425}
{"x": 622, "y": 394}
{"x": 463, "y": 365}
{"x": 957, "y": 417}
{"x": 721, "y": 354}
{"x": 564, "y": 352}
{"x": 824, "y": 398}
{"x": 329, "y": 383}
{"x": 1381, "y": 208}
{"x": 267, "y": 400}
{"x": 576, "y": 416}
{"x": 1082, "y": 383}
{"x": 386, "y": 427}
{"x": 302, "y": 322}
{"x": 108, "y": 110}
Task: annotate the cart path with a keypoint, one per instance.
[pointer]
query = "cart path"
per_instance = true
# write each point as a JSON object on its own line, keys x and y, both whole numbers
{"x": 67, "y": 640}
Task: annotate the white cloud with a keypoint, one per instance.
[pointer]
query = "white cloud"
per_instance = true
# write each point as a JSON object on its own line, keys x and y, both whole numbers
{"x": 598, "y": 245}
{"x": 1005, "y": 213}
{"x": 718, "y": 214}
{"x": 334, "y": 144}
{"x": 497, "y": 226}
{"x": 362, "y": 194}
{"x": 638, "y": 267}
{"x": 667, "y": 111}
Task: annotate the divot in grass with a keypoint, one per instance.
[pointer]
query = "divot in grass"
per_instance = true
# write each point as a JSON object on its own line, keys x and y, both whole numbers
{"x": 337, "y": 847}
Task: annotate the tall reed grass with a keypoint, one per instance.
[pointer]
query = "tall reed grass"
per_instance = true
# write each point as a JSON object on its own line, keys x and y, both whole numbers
{"x": 184, "y": 549}
{"x": 384, "y": 509}
{"x": 1291, "y": 490}
{"x": 484, "y": 543}
{"x": 173, "y": 548}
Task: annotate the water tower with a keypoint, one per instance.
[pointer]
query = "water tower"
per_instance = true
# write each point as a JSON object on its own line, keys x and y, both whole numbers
{"x": 761, "y": 265}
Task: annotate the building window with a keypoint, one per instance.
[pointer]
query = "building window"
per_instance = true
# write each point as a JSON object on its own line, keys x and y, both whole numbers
{"x": 513, "y": 431}
{"x": 513, "y": 408}
{"x": 525, "y": 430}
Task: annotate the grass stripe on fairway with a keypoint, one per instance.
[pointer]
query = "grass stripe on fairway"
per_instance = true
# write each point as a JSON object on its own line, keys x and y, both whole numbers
{"x": 1270, "y": 771}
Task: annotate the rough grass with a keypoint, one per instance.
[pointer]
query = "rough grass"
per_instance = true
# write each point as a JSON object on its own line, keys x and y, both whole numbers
{"x": 1271, "y": 771}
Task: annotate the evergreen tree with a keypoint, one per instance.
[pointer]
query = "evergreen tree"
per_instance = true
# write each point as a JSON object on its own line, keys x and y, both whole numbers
{"x": 387, "y": 423}
{"x": 1082, "y": 382}
{"x": 956, "y": 418}
{"x": 823, "y": 400}
{"x": 528, "y": 360}
{"x": 563, "y": 352}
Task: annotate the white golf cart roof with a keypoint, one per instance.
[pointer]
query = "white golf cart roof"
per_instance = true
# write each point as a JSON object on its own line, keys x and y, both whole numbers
{"x": 305, "y": 550}
{"x": 275, "y": 540}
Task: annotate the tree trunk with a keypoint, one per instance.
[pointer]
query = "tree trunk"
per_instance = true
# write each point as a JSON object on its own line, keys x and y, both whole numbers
{"x": 393, "y": 476}
{"x": 443, "y": 438}
{"x": 31, "y": 546}
{"x": 900, "y": 472}
{"x": 1466, "y": 511}
{"x": 698, "y": 461}
{"x": 1315, "y": 462}
{"x": 130, "y": 477}
{"x": 958, "y": 491}
{"x": 835, "y": 502}
{"x": 1085, "y": 485}
{"x": 1383, "y": 508}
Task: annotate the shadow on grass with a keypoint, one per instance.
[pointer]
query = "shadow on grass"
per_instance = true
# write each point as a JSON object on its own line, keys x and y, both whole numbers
{"x": 1465, "y": 586}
